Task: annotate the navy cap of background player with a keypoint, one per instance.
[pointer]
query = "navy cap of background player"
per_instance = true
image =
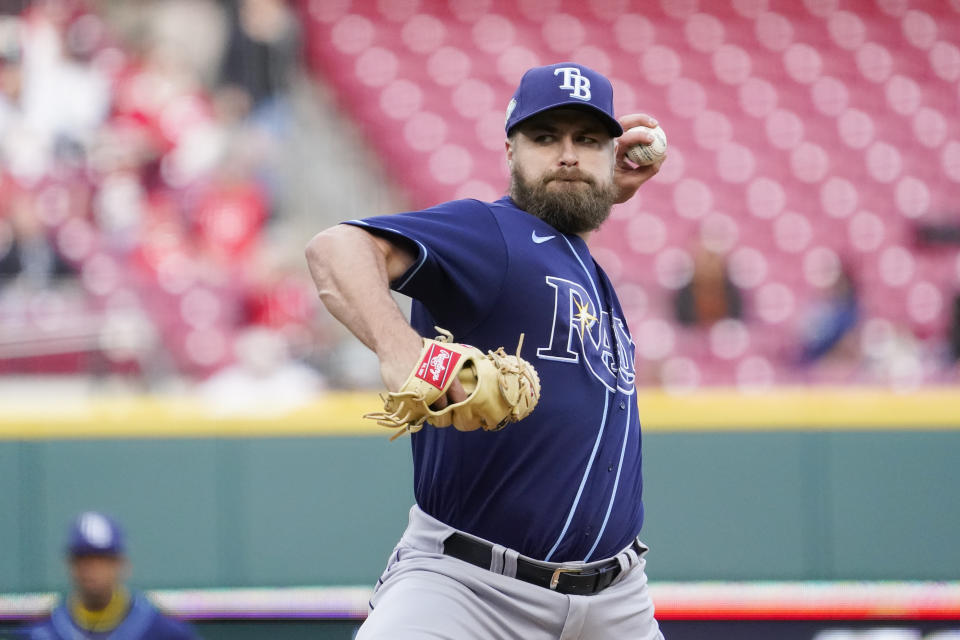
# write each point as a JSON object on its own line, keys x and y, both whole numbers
{"x": 94, "y": 533}
{"x": 565, "y": 84}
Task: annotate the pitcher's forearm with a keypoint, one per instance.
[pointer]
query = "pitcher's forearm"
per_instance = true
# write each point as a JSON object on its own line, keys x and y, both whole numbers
{"x": 352, "y": 271}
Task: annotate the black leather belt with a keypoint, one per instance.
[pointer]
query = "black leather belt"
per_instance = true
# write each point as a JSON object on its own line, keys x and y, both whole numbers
{"x": 571, "y": 581}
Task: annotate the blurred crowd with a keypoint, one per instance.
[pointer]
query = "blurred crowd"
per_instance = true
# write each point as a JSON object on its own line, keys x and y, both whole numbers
{"x": 830, "y": 339}
{"x": 139, "y": 190}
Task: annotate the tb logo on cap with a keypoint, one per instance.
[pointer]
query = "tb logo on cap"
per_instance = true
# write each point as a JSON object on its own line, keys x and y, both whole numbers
{"x": 579, "y": 84}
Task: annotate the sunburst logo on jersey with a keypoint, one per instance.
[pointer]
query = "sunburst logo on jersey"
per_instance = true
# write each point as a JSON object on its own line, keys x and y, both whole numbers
{"x": 585, "y": 333}
{"x": 583, "y": 316}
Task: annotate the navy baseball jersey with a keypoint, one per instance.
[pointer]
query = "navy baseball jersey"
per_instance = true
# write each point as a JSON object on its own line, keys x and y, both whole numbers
{"x": 563, "y": 484}
{"x": 142, "y": 622}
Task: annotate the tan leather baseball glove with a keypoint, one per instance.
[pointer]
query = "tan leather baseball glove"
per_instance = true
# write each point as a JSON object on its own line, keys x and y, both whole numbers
{"x": 500, "y": 389}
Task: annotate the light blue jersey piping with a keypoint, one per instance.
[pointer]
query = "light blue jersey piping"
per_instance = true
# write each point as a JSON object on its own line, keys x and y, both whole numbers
{"x": 596, "y": 444}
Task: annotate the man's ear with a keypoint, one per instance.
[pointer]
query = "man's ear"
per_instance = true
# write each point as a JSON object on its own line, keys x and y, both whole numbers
{"x": 509, "y": 149}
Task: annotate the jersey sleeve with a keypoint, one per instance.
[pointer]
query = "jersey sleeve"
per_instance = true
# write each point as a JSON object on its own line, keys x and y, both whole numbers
{"x": 169, "y": 628}
{"x": 39, "y": 631}
{"x": 461, "y": 258}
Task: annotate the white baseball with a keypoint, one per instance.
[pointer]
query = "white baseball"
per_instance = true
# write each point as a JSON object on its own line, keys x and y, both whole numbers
{"x": 646, "y": 154}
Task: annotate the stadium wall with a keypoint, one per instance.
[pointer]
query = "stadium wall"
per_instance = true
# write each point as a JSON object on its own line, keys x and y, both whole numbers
{"x": 794, "y": 485}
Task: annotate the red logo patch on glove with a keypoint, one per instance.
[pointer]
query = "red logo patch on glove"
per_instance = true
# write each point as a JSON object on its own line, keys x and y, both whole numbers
{"x": 510, "y": 391}
{"x": 436, "y": 366}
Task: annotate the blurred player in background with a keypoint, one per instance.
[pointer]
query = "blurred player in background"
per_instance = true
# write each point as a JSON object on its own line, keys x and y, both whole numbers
{"x": 100, "y": 606}
{"x": 529, "y": 532}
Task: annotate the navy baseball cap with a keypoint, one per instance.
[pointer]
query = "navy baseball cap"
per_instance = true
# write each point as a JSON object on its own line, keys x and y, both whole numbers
{"x": 94, "y": 533}
{"x": 565, "y": 84}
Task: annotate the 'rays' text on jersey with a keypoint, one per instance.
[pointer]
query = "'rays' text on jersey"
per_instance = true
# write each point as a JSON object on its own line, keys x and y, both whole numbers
{"x": 578, "y": 331}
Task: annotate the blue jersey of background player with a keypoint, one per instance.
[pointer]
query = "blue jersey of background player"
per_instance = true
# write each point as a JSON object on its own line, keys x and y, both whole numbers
{"x": 99, "y": 606}
{"x": 563, "y": 485}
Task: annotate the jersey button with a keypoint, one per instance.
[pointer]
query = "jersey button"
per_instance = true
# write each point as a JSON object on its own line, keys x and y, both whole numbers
{"x": 623, "y": 405}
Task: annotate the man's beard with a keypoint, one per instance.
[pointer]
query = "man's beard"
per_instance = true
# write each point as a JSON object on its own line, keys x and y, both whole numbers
{"x": 570, "y": 210}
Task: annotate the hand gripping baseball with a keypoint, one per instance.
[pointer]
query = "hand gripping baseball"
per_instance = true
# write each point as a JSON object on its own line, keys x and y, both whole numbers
{"x": 500, "y": 389}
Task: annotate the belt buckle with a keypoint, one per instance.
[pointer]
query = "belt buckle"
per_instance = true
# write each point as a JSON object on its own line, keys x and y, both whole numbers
{"x": 555, "y": 578}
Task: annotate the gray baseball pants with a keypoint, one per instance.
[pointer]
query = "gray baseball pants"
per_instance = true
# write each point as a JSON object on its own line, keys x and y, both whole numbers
{"x": 426, "y": 594}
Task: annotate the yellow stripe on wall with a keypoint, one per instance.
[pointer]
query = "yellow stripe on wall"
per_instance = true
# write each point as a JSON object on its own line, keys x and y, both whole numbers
{"x": 340, "y": 414}
{"x": 168, "y": 417}
{"x": 804, "y": 409}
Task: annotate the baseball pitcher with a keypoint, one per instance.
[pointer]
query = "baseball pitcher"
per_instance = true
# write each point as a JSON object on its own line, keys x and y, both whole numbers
{"x": 514, "y": 379}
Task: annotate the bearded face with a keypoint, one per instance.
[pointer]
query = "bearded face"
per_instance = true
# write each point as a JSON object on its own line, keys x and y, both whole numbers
{"x": 562, "y": 168}
{"x": 568, "y": 199}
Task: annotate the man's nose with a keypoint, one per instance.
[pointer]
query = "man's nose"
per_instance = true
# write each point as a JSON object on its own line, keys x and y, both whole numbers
{"x": 568, "y": 152}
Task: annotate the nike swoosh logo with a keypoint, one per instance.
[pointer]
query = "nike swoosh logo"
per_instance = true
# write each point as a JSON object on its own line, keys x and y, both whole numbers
{"x": 541, "y": 239}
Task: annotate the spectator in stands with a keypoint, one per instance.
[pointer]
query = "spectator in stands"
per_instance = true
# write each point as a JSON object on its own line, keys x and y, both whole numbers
{"x": 11, "y": 68}
{"x": 26, "y": 253}
{"x": 264, "y": 379}
{"x": 262, "y": 52}
{"x": 710, "y": 295}
{"x": 827, "y": 325}
{"x": 230, "y": 209}
{"x": 65, "y": 97}
{"x": 257, "y": 73}
{"x": 99, "y": 605}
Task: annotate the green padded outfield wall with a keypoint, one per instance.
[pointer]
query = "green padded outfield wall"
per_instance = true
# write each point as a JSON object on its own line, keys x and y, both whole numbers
{"x": 210, "y": 512}
{"x": 233, "y": 504}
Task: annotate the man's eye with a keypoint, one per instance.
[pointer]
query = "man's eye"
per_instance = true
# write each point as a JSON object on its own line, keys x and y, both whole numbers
{"x": 544, "y": 138}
